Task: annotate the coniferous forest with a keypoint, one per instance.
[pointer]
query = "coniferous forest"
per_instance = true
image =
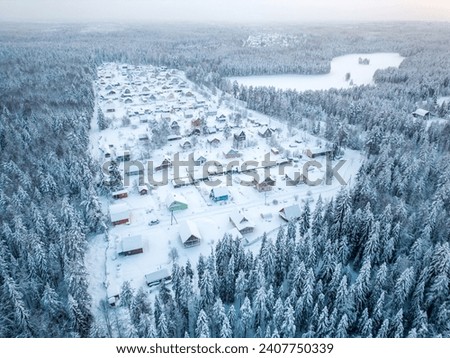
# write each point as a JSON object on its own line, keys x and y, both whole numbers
{"x": 372, "y": 262}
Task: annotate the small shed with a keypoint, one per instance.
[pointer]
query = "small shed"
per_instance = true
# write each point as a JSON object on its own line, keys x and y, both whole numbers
{"x": 131, "y": 245}
{"x": 119, "y": 214}
{"x": 175, "y": 202}
{"x": 120, "y": 194}
{"x": 189, "y": 234}
{"x": 143, "y": 189}
{"x": 290, "y": 213}
{"x": 113, "y": 293}
{"x": 219, "y": 194}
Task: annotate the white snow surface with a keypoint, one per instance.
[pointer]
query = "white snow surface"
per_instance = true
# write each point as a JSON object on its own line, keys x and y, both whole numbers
{"x": 340, "y": 66}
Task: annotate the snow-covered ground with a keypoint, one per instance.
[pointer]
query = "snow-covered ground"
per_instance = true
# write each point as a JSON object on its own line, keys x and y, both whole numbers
{"x": 158, "y": 95}
{"x": 360, "y": 74}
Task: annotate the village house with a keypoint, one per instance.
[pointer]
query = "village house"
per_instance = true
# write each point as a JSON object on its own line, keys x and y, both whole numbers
{"x": 119, "y": 214}
{"x": 242, "y": 224}
{"x": 200, "y": 160}
{"x": 219, "y": 194}
{"x": 239, "y": 138}
{"x": 232, "y": 153}
{"x": 166, "y": 163}
{"x": 131, "y": 245}
{"x": 265, "y": 132}
{"x": 214, "y": 142}
{"x": 222, "y": 118}
{"x": 189, "y": 234}
{"x": 175, "y": 202}
{"x": 265, "y": 185}
{"x": 158, "y": 277}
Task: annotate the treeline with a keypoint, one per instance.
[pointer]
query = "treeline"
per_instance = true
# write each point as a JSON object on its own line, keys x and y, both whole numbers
{"x": 48, "y": 203}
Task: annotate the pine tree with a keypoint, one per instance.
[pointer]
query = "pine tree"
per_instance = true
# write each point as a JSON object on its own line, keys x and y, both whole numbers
{"x": 288, "y": 325}
{"x": 101, "y": 120}
{"x": 305, "y": 218}
{"x": 202, "y": 327}
{"x": 246, "y": 318}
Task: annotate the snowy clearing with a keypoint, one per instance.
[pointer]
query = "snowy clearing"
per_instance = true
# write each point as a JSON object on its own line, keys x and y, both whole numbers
{"x": 360, "y": 74}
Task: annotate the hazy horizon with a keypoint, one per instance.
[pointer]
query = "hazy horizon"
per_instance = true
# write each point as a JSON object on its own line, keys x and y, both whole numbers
{"x": 231, "y": 11}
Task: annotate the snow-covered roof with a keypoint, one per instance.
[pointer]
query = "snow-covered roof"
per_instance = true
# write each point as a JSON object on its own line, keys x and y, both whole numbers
{"x": 292, "y": 212}
{"x": 157, "y": 275}
{"x": 130, "y": 243}
{"x": 319, "y": 150}
{"x": 235, "y": 234}
{"x": 421, "y": 112}
{"x": 187, "y": 230}
{"x": 142, "y": 187}
{"x": 220, "y": 191}
{"x": 119, "y": 211}
{"x": 240, "y": 221}
{"x": 173, "y": 197}
{"x": 119, "y": 192}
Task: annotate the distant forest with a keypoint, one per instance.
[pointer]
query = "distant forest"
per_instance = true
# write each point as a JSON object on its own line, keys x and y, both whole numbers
{"x": 372, "y": 262}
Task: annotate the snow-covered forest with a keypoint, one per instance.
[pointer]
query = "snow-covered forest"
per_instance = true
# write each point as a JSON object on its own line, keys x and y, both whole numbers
{"x": 372, "y": 262}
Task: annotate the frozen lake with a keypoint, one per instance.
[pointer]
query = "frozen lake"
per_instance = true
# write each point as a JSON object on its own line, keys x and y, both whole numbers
{"x": 360, "y": 74}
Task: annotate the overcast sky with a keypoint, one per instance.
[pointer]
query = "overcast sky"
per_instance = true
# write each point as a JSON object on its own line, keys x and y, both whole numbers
{"x": 245, "y": 11}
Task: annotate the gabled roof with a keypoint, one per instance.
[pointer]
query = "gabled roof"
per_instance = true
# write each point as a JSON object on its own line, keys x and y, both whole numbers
{"x": 175, "y": 198}
{"x": 240, "y": 221}
{"x": 187, "y": 230}
{"x": 292, "y": 212}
